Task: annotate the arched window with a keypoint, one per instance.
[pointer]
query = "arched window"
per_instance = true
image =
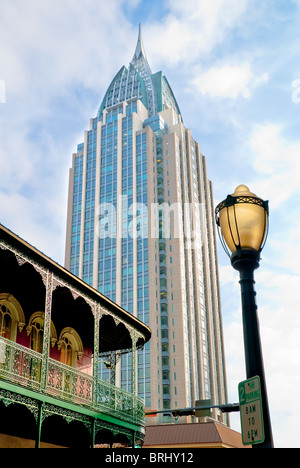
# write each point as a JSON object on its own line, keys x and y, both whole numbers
{"x": 11, "y": 317}
{"x": 5, "y": 321}
{"x": 35, "y": 329}
{"x": 37, "y": 334}
{"x": 70, "y": 346}
{"x": 66, "y": 351}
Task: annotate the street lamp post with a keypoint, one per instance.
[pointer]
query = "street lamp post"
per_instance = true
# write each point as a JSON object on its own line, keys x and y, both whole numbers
{"x": 242, "y": 220}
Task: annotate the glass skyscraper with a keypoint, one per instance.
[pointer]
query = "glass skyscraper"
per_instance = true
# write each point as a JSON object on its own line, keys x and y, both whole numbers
{"x": 141, "y": 230}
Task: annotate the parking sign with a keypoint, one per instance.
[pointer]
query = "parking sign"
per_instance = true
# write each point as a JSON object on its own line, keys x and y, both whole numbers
{"x": 251, "y": 411}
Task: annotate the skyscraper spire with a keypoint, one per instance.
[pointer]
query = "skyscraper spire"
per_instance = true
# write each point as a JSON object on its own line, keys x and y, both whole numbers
{"x": 138, "y": 82}
{"x": 139, "y": 46}
{"x": 139, "y": 54}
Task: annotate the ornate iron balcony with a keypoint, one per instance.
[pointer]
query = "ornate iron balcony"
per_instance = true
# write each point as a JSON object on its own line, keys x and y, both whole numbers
{"x": 22, "y": 366}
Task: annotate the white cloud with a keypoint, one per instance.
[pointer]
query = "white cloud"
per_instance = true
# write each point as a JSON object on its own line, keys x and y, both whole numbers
{"x": 228, "y": 81}
{"x": 285, "y": 242}
{"x": 277, "y": 161}
{"x": 46, "y": 43}
{"x": 212, "y": 18}
{"x": 193, "y": 29}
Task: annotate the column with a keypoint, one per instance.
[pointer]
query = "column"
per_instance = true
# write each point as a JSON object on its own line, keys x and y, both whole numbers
{"x": 47, "y": 325}
{"x": 97, "y": 316}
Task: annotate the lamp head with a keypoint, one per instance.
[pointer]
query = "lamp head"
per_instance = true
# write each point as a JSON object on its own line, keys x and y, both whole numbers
{"x": 242, "y": 220}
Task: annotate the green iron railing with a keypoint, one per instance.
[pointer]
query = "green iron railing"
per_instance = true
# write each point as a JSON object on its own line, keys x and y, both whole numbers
{"x": 23, "y": 366}
{"x": 19, "y": 364}
{"x": 69, "y": 383}
{"x": 119, "y": 403}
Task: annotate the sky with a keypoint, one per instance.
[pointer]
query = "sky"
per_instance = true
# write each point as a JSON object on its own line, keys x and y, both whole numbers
{"x": 234, "y": 67}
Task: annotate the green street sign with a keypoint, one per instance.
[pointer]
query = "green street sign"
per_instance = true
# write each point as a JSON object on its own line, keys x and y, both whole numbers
{"x": 252, "y": 423}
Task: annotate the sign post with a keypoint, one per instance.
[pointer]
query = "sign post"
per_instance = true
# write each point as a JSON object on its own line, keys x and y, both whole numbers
{"x": 251, "y": 411}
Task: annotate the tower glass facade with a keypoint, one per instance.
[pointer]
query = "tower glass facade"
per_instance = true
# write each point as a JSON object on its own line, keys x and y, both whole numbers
{"x": 141, "y": 231}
